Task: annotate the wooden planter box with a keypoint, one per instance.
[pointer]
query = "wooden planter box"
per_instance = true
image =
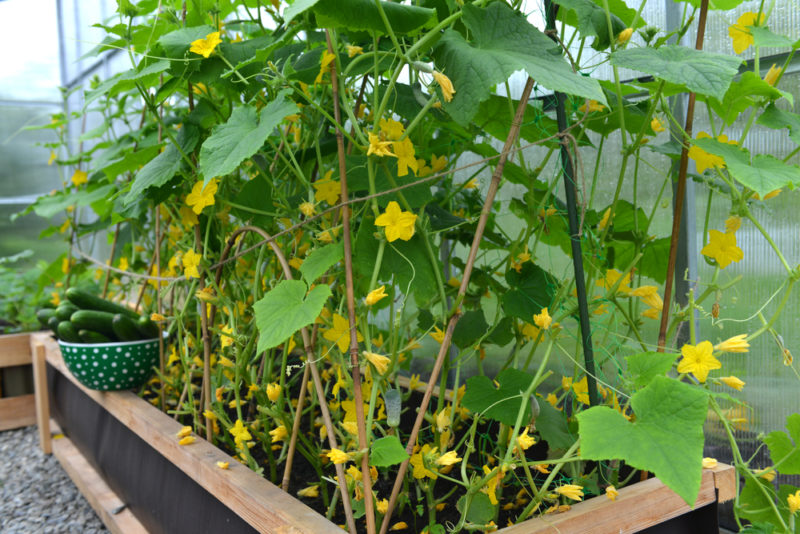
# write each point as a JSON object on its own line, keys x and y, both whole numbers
{"x": 17, "y": 411}
{"x": 250, "y": 503}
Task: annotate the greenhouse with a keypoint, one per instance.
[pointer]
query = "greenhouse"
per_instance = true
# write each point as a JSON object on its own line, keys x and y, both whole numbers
{"x": 417, "y": 266}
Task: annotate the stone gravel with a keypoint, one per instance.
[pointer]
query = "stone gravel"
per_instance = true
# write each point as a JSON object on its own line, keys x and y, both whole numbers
{"x": 36, "y": 495}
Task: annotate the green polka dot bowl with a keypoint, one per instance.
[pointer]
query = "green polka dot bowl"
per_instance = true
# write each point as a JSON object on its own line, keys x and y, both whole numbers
{"x": 111, "y": 366}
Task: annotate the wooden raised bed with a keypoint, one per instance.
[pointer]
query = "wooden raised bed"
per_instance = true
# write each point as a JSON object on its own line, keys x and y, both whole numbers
{"x": 17, "y": 411}
{"x": 648, "y": 506}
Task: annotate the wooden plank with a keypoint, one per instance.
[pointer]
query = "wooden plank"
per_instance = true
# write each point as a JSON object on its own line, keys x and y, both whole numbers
{"x": 16, "y": 412}
{"x": 15, "y": 349}
{"x": 260, "y": 503}
{"x": 725, "y": 482}
{"x": 637, "y": 507}
{"x": 41, "y": 395}
{"x": 109, "y": 507}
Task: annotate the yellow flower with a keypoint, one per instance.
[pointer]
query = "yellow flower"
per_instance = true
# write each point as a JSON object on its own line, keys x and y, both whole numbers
{"x": 446, "y": 85}
{"x": 732, "y": 224}
{"x": 392, "y": 129}
{"x": 734, "y": 344}
{"x": 612, "y": 493}
{"x": 794, "y": 502}
{"x": 327, "y": 190}
{"x": 702, "y": 159}
{"x": 438, "y": 163}
{"x": 417, "y": 460}
{"x": 382, "y": 506}
{"x": 772, "y": 74}
{"x": 525, "y": 441}
{"x": 183, "y": 432}
{"x": 656, "y": 125}
{"x": 226, "y": 341}
{"x": 353, "y": 50}
{"x": 733, "y": 382}
{"x": 404, "y": 150}
{"x": 240, "y": 434}
{"x": 698, "y": 360}
{"x": 380, "y": 362}
{"x": 157, "y": 317}
{"x": 572, "y": 491}
{"x": 437, "y": 334}
{"x": 398, "y": 224}
{"x": 340, "y": 332}
{"x": 594, "y": 105}
{"x": 186, "y": 440}
{"x": 625, "y": 35}
{"x": 278, "y": 433}
{"x": 190, "y": 261}
{"x": 413, "y": 382}
{"x": 205, "y": 46}
{"x": 338, "y": 456}
{"x": 202, "y": 196}
{"x": 604, "y": 221}
{"x": 310, "y": 492}
{"x": 543, "y": 319}
{"x": 223, "y": 465}
{"x": 722, "y": 247}
{"x": 611, "y": 278}
{"x": 552, "y": 399}
{"x": 79, "y": 177}
{"x": 530, "y": 331}
{"x": 581, "y": 389}
{"x": 740, "y": 35}
{"x": 375, "y": 295}
{"x": 378, "y": 147}
{"x": 709, "y": 463}
{"x": 273, "y": 391}
{"x": 650, "y": 296}
{"x": 400, "y": 525}
{"x": 307, "y": 209}
{"x": 771, "y": 194}
{"x": 52, "y": 158}
{"x": 324, "y": 65}
{"x": 448, "y": 458}
{"x": 768, "y": 474}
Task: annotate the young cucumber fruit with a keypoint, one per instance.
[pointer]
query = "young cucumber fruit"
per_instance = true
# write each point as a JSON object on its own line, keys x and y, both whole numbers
{"x": 125, "y": 328}
{"x": 65, "y": 311}
{"x": 88, "y": 336}
{"x": 96, "y": 321}
{"x": 67, "y": 332}
{"x": 87, "y": 301}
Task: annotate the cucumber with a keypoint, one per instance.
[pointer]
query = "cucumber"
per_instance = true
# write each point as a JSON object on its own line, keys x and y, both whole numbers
{"x": 86, "y": 301}
{"x": 44, "y": 315}
{"x": 65, "y": 311}
{"x": 52, "y": 323}
{"x": 125, "y": 328}
{"x": 67, "y": 332}
{"x": 88, "y": 336}
{"x": 147, "y": 328}
{"x": 96, "y": 321}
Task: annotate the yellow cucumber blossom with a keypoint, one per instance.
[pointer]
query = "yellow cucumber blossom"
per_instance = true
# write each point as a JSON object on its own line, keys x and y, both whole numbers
{"x": 273, "y": 391}
{"x": 338, "y": 456}
{"x": 190, "y": 261}
{"x": 380, "y": 362}
{"x": 734, "y": 344}
{"x": 740, "y": 35}
{"x": 722, "y": 248}
{"x": 205, "y": 46}
{"x": 375, "y": 295}
{"x": 353, "y": 50}
{"x": 698, "y": 360}
{"x": 309, "y": 492}
{"x": 79, "y": 178}
{"x": 733, "y": 382}
{"x": 448, "y": 458}
{"x": 625, "y": 35}
{"x": 398, "y": 224}
{"x": 378, "y": 147}
{"x": 709, "y": 463}
{"x": 445, "y": 84}
{"x": 202, "y": 195}
{"x": 793, "y": 501}
{"x": 656, "y": 125}
{"x": 572, "y": 491}
{"x": 612, "y": 493}
{"x": 543, "y": 319}
{"x": 404, "y": 151}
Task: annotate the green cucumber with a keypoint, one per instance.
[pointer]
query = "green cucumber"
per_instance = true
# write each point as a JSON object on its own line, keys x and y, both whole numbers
{"x": 125, "y": 328}
{"x": 88, "y": 336}
{"x": 44, "y": 315}
{"x": 96, "y": 321}
{"x": 147, "y": 328}
{"x": 67, "y": 332}
{"x": 86, "y": 301}
{"x": 65, "y": 311}
{"x": 52, "y": 323}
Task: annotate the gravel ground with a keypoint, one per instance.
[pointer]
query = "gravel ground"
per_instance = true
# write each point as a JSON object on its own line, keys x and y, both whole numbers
{"x": 36, "y": 495}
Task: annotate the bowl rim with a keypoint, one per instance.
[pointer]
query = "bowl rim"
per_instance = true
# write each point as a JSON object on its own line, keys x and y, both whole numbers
{"x": 112, "y": 344}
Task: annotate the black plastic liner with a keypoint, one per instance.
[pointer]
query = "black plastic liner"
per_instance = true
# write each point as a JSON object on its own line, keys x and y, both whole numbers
{"x": 703, "y": 520}
{"x": 161, "y": 496}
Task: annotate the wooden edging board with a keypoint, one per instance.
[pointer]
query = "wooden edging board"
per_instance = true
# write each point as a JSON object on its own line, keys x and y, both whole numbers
{"x": 19, "y": 411}
{"x": 257, "y": 501}
{"x": 268, "y": 509}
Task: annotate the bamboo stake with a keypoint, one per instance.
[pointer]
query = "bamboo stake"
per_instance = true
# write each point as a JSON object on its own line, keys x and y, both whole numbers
{"x": 205, "y": 393}
{"x": 159, "y": 310}
{"x": 455, "y": 313}
{"x": 111, "y": 260}
{"x": 369, "y": 511}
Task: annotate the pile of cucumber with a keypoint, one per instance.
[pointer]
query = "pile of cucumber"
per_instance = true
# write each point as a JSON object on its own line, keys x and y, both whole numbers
{"x": 87, "y": 318}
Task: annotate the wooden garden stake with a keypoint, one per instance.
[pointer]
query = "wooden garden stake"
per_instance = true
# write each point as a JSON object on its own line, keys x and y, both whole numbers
{"x": 110, "y": 260}
{"x": 206, "y": 391}
{"x": 162, "y": 393}
{"x": 351, "y": 306}
{"x": 455, "y": 313}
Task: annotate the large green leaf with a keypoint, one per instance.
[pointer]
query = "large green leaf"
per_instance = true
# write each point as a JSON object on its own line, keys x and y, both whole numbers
{"x": 591, "y": 21}
{"x": 502, "y": 42}
{"x": 498, "y": 403}
{"x": 763, "y": 36}
{"x": 320, "y": 260}
{"x": 387, "y": 451}
{"x": 496, "y": 113}
{"x": 552, "y": 426}
{"x": 645, "y": 366}
{"x": 163, "y": 167}
{"x": 701, "y": 72}
{"x": 364, "y": 15}
{"x": 124, "y": 81}
{"x": 531, "y": 289}
{"x": 241, "y": 137}
{"x": 666, "y": 438}
{"x": 470, "y": 328}
{"x": 48, "y": 205}
{"x": 784, "y": 449}
{"x": 777, "y": 118}
{"x": 481, "y": 510}
{"x": 764, "y": 174}
{"x": 253, "y": 200}
{"x": 749, "y": 90}
{"x": 287, "y": 308}
{"x": 177, "y": 43}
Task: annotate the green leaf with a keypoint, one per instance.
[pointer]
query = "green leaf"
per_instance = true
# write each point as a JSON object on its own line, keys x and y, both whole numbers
{"x": 295, "y": 8}
{"x": 701, "y": 72}
{"x": 502, "y": 42}
{"x": 163, "y": 167}
{"x": 387, "y": 451}
{"x": 531, "y": 289}
{"x": 666, "y": 438}
{"x": 363, "y": 15}
{"x": 721, "y": 5}
{"x": 177, "y": 43}
{"x": 126, "y": 80}
{"x": 591, "y": 21}
{"x": 750, "y": 90}
{"x": 755, "y": 501}
{"x": 320, "y": 260}
{"x": 782, "y": 450}
{"x": 469, "y": 329}
{"x": 777, "y": 118}
{"x": 645, "y": 366}
{"x": 481, "y": 510}
{"x": 764, "y": 174}
{"x": 254, "y": 199}
{"x": 498, "y": 403}
{"x": 552, "y": 426}
{"x": 241, "y": 137}
{"x": 131, "y": 161}
{"x": 48, "y": 205}
{"x": 496, "y": 113}
{"x": 763, "y": 36}
{"x": 652, "y": 263}
{"x": 286, "y": 309}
